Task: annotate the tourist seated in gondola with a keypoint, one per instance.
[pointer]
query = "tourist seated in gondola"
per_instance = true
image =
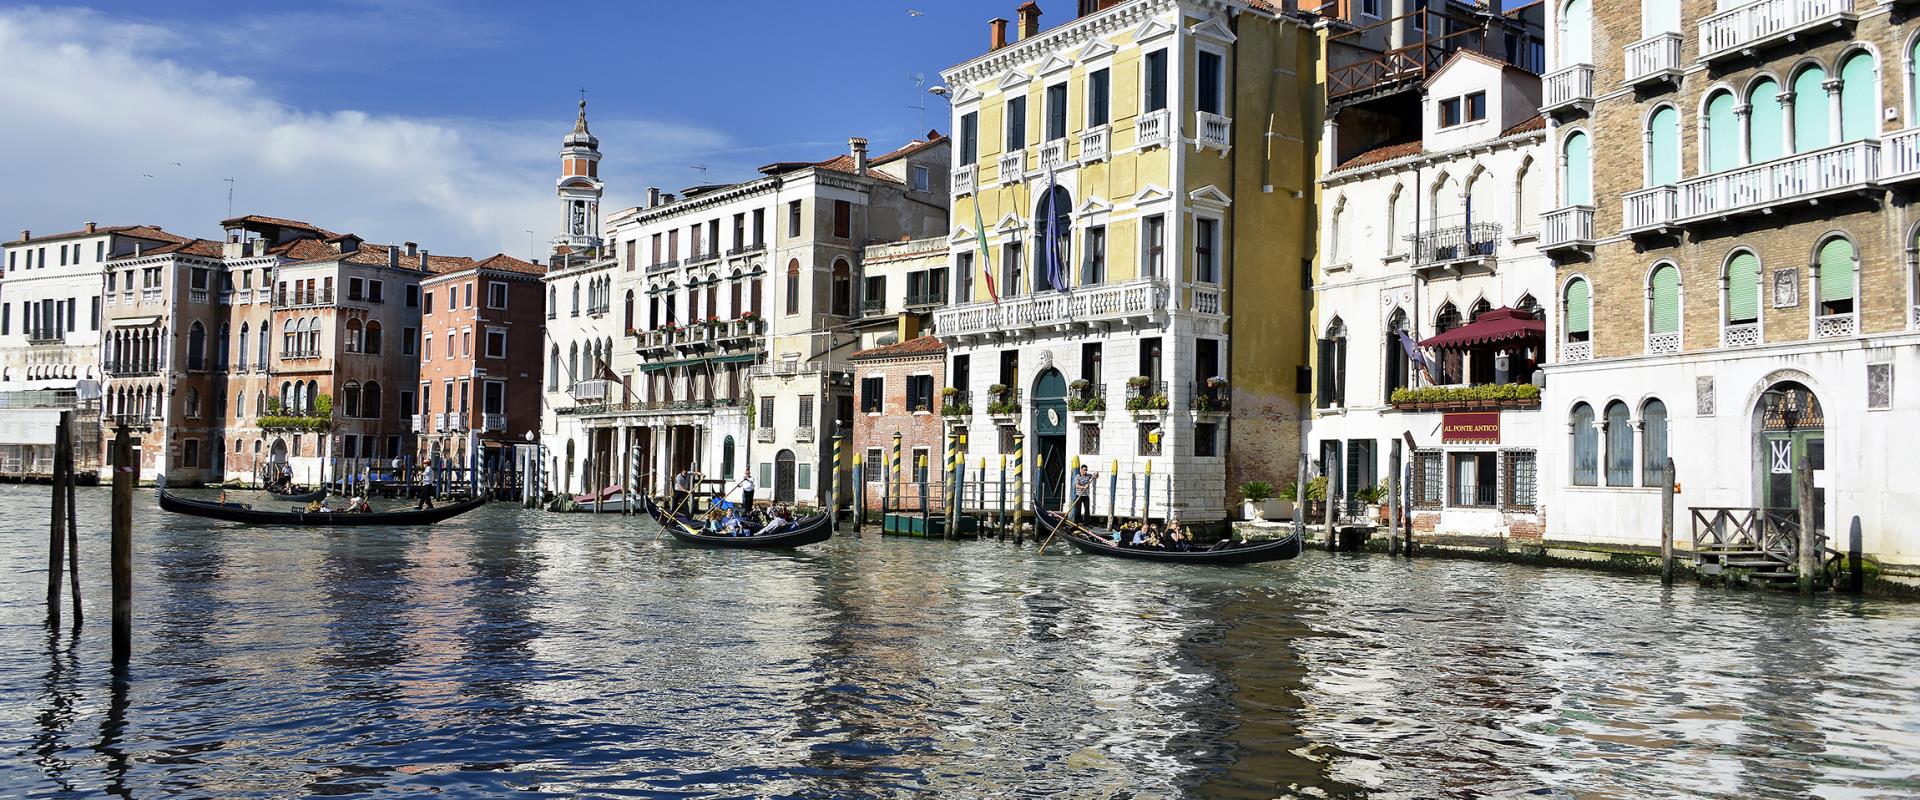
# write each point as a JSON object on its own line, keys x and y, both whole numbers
{"x": 782, "y": 518}
{"x": 732, "y": 525}
{"x": 1143, "y": 537}
{"x": 1177, "y": 540}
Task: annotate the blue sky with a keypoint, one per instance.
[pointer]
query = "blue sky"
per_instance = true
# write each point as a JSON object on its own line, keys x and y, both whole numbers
{"x": 439, "y": 121}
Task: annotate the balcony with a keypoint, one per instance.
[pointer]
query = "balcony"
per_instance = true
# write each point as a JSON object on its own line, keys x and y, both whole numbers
{"x": 736, "y": 331}
{"x": 1743, "y": 30}
{"x": 925, "y": 300}
{"x": 746, "y": 249}
{"x": 873, "y": 308}
{"x": 1206, "y": 299}
{"x": 151, "y": 295}
{"x": 964, "y": 178}
{"x": 451, "y": 422}
{"x": 298, "y": 299}
{"x": 493, "y": 422}
{"x": 803, "y": 434}
{"x": 1053, "y": 154}
{"x": 45, "y": 338}
{"x": 1209, "y": 397}
{"x": 785, "y": 369}
{"x": 1455, "y": 243}
{"x": 1145, "y": 395}
{"x": 1569, "y": 88}
{"x": 1569, "y": 228}
{"x": 196, "y": 295}
{"x": 1746, "y": 334}
{"x": 1137, "y": 300}
{"x": 1003, "y": 404}
{"x": 419, "y": 423}
{"x": 663, "y": 266}
{"x": 1013, "y": 167}
{"x": 697, "y": 259}
{"x": 763, "y": 434}
{"x": 1575, "y": 352}
{"x": 1663, "y": 344}
{"x": 1213, "y": 131}
{"x": 1150, "y": 129}
{"x": 1649, "y": 209}
{"x": 1093, "y": 144}
{"x": 1653, "y": 59}
{"x": 1900, "y": 156}
{"x": 1835, "y": 326}
{"x": 1803, "y": 177}
{"x": 592, "y": 391}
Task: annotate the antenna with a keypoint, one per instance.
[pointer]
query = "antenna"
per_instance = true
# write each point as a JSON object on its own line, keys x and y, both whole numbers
{"x": 229, "y": 197}
{"x": 702, "y": 168}
{"x": 919, "y": 82}
{"x": 533, "y": 250}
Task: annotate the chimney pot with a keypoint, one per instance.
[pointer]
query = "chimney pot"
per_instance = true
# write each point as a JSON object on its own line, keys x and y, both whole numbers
{"x": 859, "y": 147}
{"x": 411, "y": 249}
{"x": 1029, "y": 15}
{"x": 423, "y": 259}
{"x": 393, "y": 257}
{"x": 653, "y": 196}
{"x": 91, "y": 227}
{"x": 25, "y": 234}
{"x": 997, "y": 27}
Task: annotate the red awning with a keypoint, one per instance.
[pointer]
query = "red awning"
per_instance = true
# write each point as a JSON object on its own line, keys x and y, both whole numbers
{"x": 1493, "y": 327}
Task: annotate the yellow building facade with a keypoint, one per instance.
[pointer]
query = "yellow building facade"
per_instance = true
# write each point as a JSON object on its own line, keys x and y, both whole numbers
{"x": 1132, "y": 213}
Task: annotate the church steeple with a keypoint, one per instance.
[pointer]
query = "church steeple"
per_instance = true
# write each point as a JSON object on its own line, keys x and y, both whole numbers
{"x": 579, "y": 187}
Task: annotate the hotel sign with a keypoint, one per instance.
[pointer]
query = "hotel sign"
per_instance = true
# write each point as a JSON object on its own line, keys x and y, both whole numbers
{"x": 1470, "y": 427}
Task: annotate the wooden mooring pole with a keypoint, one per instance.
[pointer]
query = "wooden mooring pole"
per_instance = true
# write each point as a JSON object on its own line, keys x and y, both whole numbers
{"x": 1300, "y": 500}
{"x": 125, "y": 474}
{"x": 56, "y": 529}
{"x": 1666, "y": 522}
{"x": 73, "y": 541}
{"x": 1809, "y": 554}
{"x": 1393, "y": 500}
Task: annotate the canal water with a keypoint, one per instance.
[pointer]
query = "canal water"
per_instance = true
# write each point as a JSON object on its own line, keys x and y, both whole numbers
{"x": 570, "y": 655}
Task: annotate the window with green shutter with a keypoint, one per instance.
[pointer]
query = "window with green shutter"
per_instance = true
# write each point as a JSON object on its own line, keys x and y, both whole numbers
{"x": 1666, "y": 300}
{"x": 1723, "y": 133}
{"x": 1579, "y": 178}
{"x": 1857, "y": 79}
{"x": 1836, "y": 276}
{"x": 1579, "y": 311}
{"x": 1743, "y": 289}
{"x": 1809, "y": 111}
{"x": 1765, "y": 122}
{"x": 1663, "y": 147}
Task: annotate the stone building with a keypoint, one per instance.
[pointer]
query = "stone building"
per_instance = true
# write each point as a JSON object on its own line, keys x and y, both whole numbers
{"x": 899, "y": 373}
{"x": 1124, "y": 182}
{"x": 1735, "y": 244}
{"x": 481, "y": 357}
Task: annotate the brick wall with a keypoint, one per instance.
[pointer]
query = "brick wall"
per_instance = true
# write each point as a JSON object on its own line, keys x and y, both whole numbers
{"x": 922, "y": 429}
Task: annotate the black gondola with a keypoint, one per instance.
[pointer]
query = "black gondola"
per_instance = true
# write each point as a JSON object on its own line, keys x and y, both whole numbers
{"x": 1280, "y": 549}
{"x": 298, "y": 497}
{"x": 813, "y": 529}
{"x": 234, "y": 512}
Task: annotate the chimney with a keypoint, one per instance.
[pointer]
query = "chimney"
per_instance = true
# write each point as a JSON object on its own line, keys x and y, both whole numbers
{"x": 666, "y": 197}
{"x": 423, "y": 259}
{"x": 1029, "y": 16}
{"x": 859, "y": 147}
{"x": 393, "y": 257}
{"x": 998, "y": 27}
{"x": 412, "y": 249}
{"x": 137, "y": 247}
{"x": 653, "y": 196}
{"x": 91, "y": 227}
{"x": 25, "y": 234}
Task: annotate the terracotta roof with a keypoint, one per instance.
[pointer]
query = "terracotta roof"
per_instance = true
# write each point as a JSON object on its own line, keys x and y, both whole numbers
{"x": 284, "y": 223}
{"x": 500, "y": 262}
{"x": 844, "y": 163}
{"x": 1380, "y": 154}
{"x": 203, "y": 248}
{"x": 375, "y": 255}
{"x": 924, "y": 345}
{"x": 137, "y": 231}
{"x": 1537, "y": 123}
{"x": 933, "y": 137}
{"x": 302, "y": 249}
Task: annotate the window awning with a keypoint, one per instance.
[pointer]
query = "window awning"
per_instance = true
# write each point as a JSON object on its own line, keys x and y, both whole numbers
{"x": 1493, "y": 327}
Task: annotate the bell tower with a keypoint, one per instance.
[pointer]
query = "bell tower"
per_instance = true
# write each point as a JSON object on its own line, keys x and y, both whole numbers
{"x": 580, "y": 188}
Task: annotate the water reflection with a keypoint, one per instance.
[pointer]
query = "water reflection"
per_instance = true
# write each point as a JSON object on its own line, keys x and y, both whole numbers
{"x": 580, "y": 655}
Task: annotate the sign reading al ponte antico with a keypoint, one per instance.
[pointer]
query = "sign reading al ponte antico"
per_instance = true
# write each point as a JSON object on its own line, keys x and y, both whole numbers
{"x": 1470, "y": 427}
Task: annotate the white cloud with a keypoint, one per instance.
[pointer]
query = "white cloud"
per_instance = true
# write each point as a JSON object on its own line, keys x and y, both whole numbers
{"x": 94, "y": 105}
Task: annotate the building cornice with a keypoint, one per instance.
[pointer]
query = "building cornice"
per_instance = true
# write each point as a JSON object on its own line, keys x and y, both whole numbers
{"x": 1093, "y": 27}
{"x": 1356, "y": 174}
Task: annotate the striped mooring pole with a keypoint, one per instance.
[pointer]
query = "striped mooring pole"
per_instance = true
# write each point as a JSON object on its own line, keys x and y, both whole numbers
{"x": 1019, "y": 483}
{"x": 833, "y": 485}
{"x": 894, "y": 478}
{"x": 954, "y": 469}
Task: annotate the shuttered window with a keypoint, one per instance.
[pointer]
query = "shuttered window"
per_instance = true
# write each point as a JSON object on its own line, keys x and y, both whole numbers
{"x": 1743, "y": 289}
{"x": 1576, "y": 39}
{"x": 1666, "y": 300}
{"x": 1765, "y": 122}
{"x": 1836, "y": 270}
{"x": 1857, "y": 79}
{"x": 1663, "y": 147}
{"x": 1653, "y": 443}
{"x": 1585, "y": 452}
{"x": 1579, "y": 178}
{"x": 1579, "y": 310}
{"x": 1723, "y": 133}
{"x": 1619, "y": 446}
{"x": 1810, "y": 118}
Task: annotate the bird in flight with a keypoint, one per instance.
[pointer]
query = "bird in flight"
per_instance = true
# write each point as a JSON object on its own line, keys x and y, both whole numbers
{"x": 913, "y": 13}
{"x": 145, "y": 175}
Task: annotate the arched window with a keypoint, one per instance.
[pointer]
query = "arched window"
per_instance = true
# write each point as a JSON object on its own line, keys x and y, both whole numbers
{"x": 573, "y": 363}
{"x": 1723, "y": 132}
{"x": 1480, "y": 306}
{"x": 1859, "y": 88}
{"x": 576, "y": 298}
{"x": 260, "y": 403}
{"x": 266, "y": 335}
{"x": 1913, "y": 77}
{"x": 693, "y": 301}
{"x": 1663, "y": 147}
{"x": 1659, "y": 16}
{"x": 629, "y": 310}
{"x": 221, "y": 356}
{"x": 313, "y": 397}
{"x": 370, "y": 400}
{"x": 1333, "y": 366}
{"x": 243, "y": 347}
{"x": 1836, "y": 277}
{"x": 1337, "y": 235}
{"x": 1578, "y": 313}
{"x": 793, "y": 287}
{"x": 553, "y": 302}
{"x": 350, "y": 399}
{"x": 842, "y": 288}
{"x": 1811, "y": 120}
{"x": 239, "y": 405}
{"x": 197, "y": 347}
{"x": 193, "y": 403}
{"x": 726, "y": 459}
{"x": 753, "y": 290}
{"x": 1576, "y": 33}
{"x": 1526, "y": 199}
{"x": 1766, "y": 122}
{"x": 286, "y": 398}
{"x": 1585, "y": 467}
{"x": 1619, "y": 445}
{"x": 1577, "y": 173}
{"x": 1481, "y": 205}
{"x": 1450, "y": 364}
{"x": 553, "y": 370}
{"x": 353, "y": 336}
{"x": 672, "y": 317}
{"x": 1396, "y": 218}
{"x": 1398, "y": 371}
{"x": 1663, "y": 309}
{"x": 733, "y": 295}
{"x": 370, "y": 344}
{"x": 1653, "y": 443}
{"x": 1743, "y": 290}
{"x": 713, "y": 297}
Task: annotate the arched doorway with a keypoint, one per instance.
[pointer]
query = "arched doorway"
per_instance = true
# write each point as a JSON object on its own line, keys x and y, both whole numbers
{"x": 1790, "y": 426}
{"x": 1049, "y": 440}
{"x": 1053, "y": 228}
{"x": 279, "y": 454}
{"x": 783, "y": 477}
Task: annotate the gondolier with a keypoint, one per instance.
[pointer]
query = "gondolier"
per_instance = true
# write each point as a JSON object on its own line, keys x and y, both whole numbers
{"x": 426, "y": 488}
{"x": 1082, "y": 493}
{"x": 745, "y": 485}
{"x": 682, "y": 486}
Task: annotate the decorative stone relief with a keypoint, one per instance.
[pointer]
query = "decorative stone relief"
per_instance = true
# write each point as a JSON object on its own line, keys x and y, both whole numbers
{"x": 1703, "y": 395}
{"x": 1879, "y": 386}
{"x": 1786, "y": 287}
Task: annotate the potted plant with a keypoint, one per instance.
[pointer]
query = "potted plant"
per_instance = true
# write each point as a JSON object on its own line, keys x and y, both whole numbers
{"x": 948, "y": 391}
{"x": 1371, "y": 497}
{"x": 1254, "y": 496}
{"x": 1137, "y": 385}
{"x": 1316, "y": 492}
